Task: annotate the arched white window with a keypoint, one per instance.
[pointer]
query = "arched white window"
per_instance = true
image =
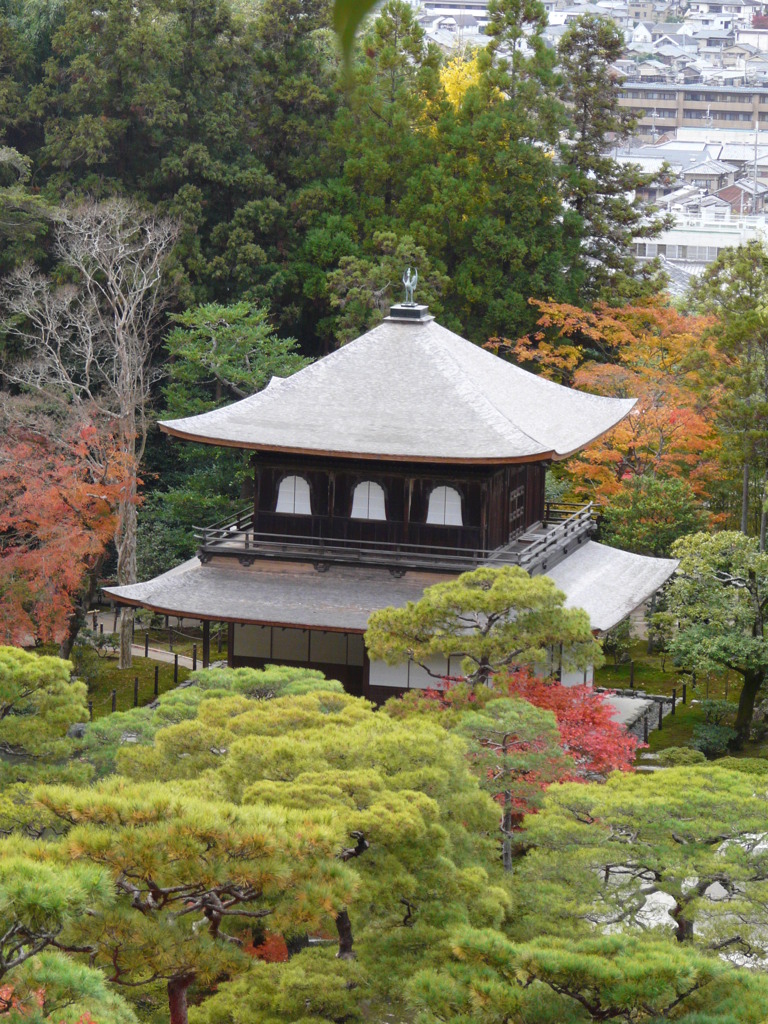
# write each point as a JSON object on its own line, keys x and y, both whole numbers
{"x": 293, "y": 496}
{"x": 368, "y": 501}
{"x": 444, "y": 507}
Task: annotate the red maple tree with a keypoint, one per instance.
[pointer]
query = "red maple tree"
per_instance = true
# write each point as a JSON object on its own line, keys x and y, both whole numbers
{"x": 59, "y": 488}
{"x": 593, "y": 742}
{"x": 593, "y": 739}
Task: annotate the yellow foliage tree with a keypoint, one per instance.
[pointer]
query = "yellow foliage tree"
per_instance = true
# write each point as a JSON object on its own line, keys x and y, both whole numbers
{"x": 457, "y": 75}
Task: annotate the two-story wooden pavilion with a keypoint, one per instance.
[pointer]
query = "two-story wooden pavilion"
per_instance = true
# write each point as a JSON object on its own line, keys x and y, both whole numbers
{"x": 404, "y": 456}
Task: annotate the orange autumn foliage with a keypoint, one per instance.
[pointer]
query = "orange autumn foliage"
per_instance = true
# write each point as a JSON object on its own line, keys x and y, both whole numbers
{"x": 58, "y": 496}
{"x": 273, "y": 950}
{"x": 649, "y": 352}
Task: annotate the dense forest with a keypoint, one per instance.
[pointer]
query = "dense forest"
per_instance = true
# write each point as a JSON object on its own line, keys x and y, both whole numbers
{"x": 303, "y": 186}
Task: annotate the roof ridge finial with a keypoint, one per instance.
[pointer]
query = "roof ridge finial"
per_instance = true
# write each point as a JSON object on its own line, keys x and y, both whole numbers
{"x": 410, "y": 281}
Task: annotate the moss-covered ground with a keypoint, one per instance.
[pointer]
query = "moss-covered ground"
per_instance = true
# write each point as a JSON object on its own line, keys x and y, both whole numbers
{"x": 656, "y": 674}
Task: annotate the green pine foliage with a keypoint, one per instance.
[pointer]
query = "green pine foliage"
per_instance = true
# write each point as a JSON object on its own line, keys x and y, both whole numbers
{"x": 38, "y": 702}
{"x": 491, "y": 618}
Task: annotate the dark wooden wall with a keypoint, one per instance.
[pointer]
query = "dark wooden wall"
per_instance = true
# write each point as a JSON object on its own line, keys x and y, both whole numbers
{"x": 498, "y": 502}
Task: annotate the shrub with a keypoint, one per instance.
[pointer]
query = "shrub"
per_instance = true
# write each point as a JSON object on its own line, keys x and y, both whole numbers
{"x": 673, "y": 757}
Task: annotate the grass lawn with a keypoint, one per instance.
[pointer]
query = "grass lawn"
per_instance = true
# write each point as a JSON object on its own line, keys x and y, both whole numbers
{"x": 677, "y": 730}
{"x": 102, "y": 676}
{"x": 652, "y": 678}
{"x": 106, "y": 677}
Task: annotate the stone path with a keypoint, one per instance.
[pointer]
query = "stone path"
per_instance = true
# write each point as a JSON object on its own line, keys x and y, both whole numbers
{"x": 631, "y": 709}
{"x": 107, "y": 620}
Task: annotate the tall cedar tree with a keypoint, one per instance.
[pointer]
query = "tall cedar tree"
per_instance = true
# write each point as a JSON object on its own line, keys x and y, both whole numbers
{"x": 596, "y": 184}
{"x": 734, "y": 288}
{"x": 218, "y": 354}
{"x": 490, "y": 208}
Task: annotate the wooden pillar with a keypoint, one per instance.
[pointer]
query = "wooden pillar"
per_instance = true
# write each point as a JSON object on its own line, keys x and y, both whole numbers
{"x": 206, "y": 643}
{"x": 407, "y": 496}
{"x": 256, "y": 492}
{"x": 484, "y": 514}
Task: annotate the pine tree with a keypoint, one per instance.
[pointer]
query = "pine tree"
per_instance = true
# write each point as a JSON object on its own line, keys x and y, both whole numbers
{"x": 597, "y": 185}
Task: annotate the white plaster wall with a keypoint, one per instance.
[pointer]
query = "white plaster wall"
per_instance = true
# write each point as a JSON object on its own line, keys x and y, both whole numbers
{"x": 251, "y": 641}
{"x": 328, "y": 647}
{"x": 287, "y": 644}
{"x": 409, "y": 676}
{"x": 290, "y": 644}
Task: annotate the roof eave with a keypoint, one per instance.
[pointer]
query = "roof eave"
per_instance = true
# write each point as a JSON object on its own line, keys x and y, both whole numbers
{"x": 250, "y": 621}
{"x": 542, "y": 456}
{"x": 560, "y": 456}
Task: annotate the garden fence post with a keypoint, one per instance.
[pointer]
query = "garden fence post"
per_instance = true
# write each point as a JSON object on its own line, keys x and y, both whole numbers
{"x": 146, "y": 644}
{"x": 631, "y": 675}
{"x": 645, "y": 727}
{"x": 136, "y": 691}
{"x": 674, "y": 698}
{"x": 90, "y": 710}
{"x": 114, "y": 700}
{"x": 661, "y": 714}
{"x": 194, "y": 657}
{"x": 175, "y": 668}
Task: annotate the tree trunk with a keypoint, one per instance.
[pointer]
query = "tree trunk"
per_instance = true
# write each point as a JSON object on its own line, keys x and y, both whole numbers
{"x": 125, "y": 632}
{"x": 125, "y": 539}
{"x": 745, "y": 497}
{"x": 506, "y": 824}
{"x": 683, "y": 924}
{"x": 79, "y": 612}
{"x": 651, "y": 612}
{"x": 344, "y": 928}
{"x": 484, "y": 675}
{"x": 177, "y": 998}
{"x": 752, "y": 683}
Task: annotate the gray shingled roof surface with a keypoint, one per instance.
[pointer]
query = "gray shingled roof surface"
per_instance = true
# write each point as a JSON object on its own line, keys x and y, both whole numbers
{"x": 605, "y": 582}
{"x": 608, "y": 583}
{"x": 412, "y": 391}
{"x": 276, "y": 593}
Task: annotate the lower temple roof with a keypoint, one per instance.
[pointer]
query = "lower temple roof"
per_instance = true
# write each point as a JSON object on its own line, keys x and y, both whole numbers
{"x": 606, "y": 582}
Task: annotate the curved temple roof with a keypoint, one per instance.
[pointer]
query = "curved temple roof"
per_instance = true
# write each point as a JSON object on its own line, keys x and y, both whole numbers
{"x": 606, "y": 582}
{"x": 411, "y": 391}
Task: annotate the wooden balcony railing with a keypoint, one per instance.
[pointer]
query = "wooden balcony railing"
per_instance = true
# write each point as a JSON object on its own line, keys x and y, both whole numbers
{"x": 324, "y": 542}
